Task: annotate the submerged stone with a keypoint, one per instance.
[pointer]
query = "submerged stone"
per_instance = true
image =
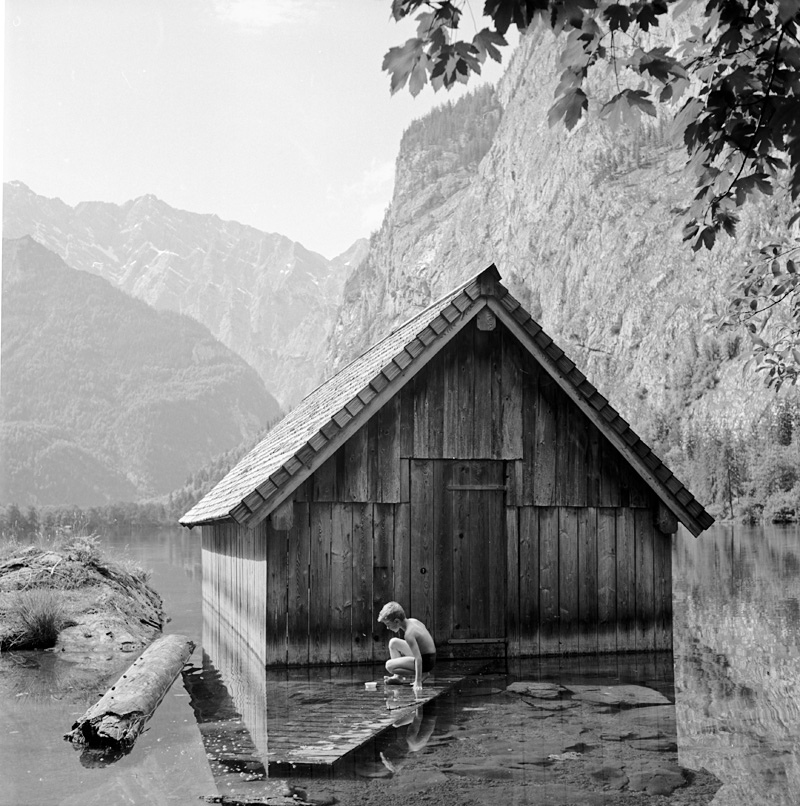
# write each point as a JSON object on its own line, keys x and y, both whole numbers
{"x": 542, "y": 691}
{"x": 610, "y": 775}
{"x": 658, "y": 781}
{"x": 630, "y": 696}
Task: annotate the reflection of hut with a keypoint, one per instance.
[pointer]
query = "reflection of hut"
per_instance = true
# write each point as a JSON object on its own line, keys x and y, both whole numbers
{"x": 466, "y": 468}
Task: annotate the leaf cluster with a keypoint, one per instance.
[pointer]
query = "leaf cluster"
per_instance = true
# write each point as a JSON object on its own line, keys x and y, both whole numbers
{"x": 764, "y": 299}
{"x": 734, "y": 81}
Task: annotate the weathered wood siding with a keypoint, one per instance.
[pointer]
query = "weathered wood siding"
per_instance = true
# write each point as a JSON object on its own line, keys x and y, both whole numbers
{"x": 482, "y": 499}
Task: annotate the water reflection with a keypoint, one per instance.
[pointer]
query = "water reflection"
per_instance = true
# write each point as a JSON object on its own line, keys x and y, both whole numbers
{"x": 737, "y": 635}
{"x": 737, "y": 641}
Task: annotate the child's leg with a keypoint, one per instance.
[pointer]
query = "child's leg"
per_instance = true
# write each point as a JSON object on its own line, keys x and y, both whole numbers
{"x": 398, "y": 648}
{"x": 401, "y": 661}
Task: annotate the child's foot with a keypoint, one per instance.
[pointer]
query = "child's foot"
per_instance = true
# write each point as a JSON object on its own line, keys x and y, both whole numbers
{"x": 395, "y": 680}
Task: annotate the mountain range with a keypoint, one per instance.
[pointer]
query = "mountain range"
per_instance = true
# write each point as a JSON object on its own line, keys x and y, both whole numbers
{"x": 105, "y": 398}
{"x": 581, "y": 225}
{"x": 266, "y": 297}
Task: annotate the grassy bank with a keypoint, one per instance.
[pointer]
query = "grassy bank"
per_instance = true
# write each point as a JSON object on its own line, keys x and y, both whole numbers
{"x": 64, "y": 592}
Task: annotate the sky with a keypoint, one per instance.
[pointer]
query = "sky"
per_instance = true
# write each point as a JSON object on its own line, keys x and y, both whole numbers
{"x": 273, "y": 113}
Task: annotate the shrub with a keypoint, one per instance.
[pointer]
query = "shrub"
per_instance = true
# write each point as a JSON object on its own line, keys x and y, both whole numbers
{"x": 749, "y": 510}
{"x": 41, "y": 615}
{"x": 781, "y": 508}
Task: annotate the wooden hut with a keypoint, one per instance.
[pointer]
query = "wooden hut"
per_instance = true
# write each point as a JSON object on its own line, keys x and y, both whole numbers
{"x": 465, "y": 467}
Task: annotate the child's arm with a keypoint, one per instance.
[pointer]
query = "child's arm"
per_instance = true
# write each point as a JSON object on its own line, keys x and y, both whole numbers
{"x": 411, "y": 640}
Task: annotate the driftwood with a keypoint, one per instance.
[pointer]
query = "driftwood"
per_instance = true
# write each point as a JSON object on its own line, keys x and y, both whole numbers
{"x": 115, "y": 721}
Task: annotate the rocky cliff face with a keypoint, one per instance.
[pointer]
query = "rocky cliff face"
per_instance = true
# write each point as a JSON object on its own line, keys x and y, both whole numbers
{"x": 582, "y": 229}
{"x": 264, "y": 296}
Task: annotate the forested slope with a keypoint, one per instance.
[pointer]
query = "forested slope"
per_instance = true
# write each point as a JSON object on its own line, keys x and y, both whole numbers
{"x": 105, "y": 398}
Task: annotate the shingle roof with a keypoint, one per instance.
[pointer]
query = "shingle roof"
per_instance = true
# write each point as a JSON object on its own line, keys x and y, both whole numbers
{"x": 304, "y": 431}
{"x": 326, "y": 418}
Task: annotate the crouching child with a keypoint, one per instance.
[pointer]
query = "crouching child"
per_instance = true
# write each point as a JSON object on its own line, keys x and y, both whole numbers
{"x": 413, "y": 655}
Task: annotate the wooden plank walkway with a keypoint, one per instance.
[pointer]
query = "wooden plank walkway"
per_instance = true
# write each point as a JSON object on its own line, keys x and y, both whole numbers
{"x": 317, "y": 722}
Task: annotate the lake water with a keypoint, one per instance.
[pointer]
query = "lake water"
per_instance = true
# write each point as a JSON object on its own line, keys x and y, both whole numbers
{"x": 737, "y": 645}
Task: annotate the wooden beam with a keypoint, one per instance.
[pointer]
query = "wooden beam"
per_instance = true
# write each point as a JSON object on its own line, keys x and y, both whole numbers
{"x": 599, "y": 418}
{"x": 486, "y": 320}
{"x": 351, "y": 425}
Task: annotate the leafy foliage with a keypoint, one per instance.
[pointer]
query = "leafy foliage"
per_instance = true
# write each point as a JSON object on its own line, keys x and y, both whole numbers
{"x": 765, "y": 299}
{"x": 735, "y": 80}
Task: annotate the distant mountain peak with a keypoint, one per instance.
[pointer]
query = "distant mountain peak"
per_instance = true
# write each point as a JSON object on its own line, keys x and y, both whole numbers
{"x": 263, "y": 295}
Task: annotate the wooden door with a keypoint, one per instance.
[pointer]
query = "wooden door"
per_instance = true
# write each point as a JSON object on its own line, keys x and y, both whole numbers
{"x": 458, "y": 552}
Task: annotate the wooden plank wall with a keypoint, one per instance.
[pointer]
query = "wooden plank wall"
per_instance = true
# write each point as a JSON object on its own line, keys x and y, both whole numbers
{"x": 482, "y": 398}
{"x": 235, "y": 584}
{"x": 586, "y": 569}
{"x": 604, "y": 582}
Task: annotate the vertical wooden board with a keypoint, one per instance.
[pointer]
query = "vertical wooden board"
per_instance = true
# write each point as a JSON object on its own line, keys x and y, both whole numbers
{"x": 484, "y": 403}
{"x": 587, "y": 580}
{"x": 276, "y": 597}
{"x": 645, "y": 587}
{"x": 568, "y": 579}
{"x": 465, "y": 416}
{"x": 324, "y": 481}
{"x": 548, "y": 581}
{"x": 480, "y": 581}
{"x": 462, "y": 528}
{"x": 609, "y": 482}
{"x": 639, "y": 493}
{"x": 442, "y": 625}
{"x": 404, "y": 470}
{"x": 662, "y": 563}
{"x": 387, "y": 484}
{"x": 593, "y": 469}
{"x": 496, "y": 383}
{"x": 606, "y": 580}
{"x": 420, "y": 448}
{"x": 401, "y": 568}
{"x": 261, "y": 590}
{"x": 512, "y": 398}
{"x": 319, "y": 594}
{"x": 355, "y": 485}
{"x": 382, "y": 560}
{"x": 498, "y": 571}
{"x": 435, "y": 380}
{"x": 301, "y": 493}
{"x": 544, "y": 451}
{"x": 514, "y": 584}
{"x": 299, "y": 557}
{"x": 626, "y": 581}
{"x": 362, "y": 583}
{"x": 422, "y": 559}
{"x": 247, "y": 603}
{"x": 514, "y": 483}
{"x": 449, "y": 364}
{"x": 577, "y": 449}
{"x": 406, "y": 428}
{"x": 341, "y": 582}
{"x": 528, "y": 581}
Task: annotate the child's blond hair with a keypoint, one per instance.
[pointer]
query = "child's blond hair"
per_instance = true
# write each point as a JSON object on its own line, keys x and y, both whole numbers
{"x": 391, "y": 611}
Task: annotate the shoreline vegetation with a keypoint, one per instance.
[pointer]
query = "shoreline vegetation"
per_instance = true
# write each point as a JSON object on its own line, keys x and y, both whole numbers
{"x": 60, "y": 592}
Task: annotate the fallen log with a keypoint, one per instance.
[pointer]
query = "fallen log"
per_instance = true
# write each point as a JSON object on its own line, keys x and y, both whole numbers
{"x": 115, "y": 721}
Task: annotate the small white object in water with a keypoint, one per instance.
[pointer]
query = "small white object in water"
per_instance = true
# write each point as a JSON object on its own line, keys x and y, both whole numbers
{"x": 371, "y": 686}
